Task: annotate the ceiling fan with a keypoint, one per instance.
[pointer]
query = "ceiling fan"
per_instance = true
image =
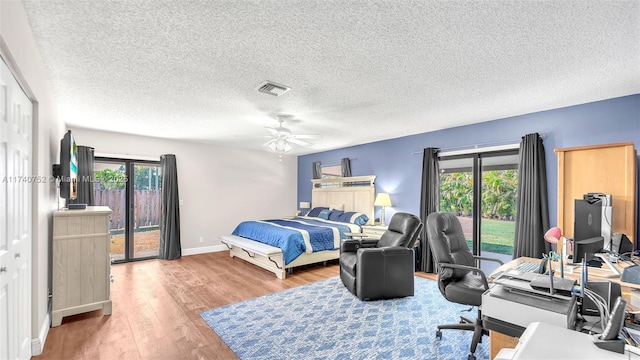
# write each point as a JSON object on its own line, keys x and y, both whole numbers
{"x": 281, "y": 138}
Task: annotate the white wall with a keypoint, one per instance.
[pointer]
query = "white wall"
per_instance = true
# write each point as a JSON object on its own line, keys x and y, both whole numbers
{"x": 19, "y": 48}
{"x": 219, "y": 186}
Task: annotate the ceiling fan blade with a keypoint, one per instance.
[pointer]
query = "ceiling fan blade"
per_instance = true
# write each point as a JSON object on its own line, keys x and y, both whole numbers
{"x": 269, "y": 142}
{"x": 303, "y": 136}
{"x": 299, "y": 142}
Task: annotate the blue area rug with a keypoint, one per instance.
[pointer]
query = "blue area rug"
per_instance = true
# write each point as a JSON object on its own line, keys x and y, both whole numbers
{"x": 323, "y": 320}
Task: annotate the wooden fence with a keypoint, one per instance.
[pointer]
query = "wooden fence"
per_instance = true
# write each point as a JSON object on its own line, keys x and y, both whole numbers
{"x": 146, "y": 209}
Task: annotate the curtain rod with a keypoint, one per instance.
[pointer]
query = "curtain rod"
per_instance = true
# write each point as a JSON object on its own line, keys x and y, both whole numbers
{"x": 482, "y": 147}
{"x": 127, "y": 156}
{"x": 339, "y": 162}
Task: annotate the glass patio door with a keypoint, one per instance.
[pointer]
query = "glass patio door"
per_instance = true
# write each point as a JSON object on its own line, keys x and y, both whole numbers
{"x": 481, "y": 190}
{"x": 132, "y": 190}
{"x": 146, "y": 214}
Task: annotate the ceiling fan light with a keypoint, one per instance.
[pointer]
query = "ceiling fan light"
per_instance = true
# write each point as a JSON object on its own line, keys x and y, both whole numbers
{"x": 287, "y": 147}
{"x": 273, "y": 146}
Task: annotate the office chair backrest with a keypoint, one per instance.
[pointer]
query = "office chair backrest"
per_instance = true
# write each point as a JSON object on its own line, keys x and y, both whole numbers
{"x": 403, "y": 231}
{"x": 448, "y": 245}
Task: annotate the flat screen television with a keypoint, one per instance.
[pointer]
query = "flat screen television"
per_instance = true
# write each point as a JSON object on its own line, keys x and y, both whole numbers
{"x": 68, "y": 167}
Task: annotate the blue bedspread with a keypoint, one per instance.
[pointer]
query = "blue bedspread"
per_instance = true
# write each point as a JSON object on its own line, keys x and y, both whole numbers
{"x": 295, "y": 236}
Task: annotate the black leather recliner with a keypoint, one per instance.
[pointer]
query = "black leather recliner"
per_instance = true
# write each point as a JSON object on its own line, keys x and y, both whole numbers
{"x": 382, "y": 269}
{"x": 459, "y": 280}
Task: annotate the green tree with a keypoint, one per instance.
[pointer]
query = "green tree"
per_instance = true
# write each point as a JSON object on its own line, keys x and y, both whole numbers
{"x": 456, "y": 193}
{"x": 111, "y": 179}
{"x": 147, "y": 178}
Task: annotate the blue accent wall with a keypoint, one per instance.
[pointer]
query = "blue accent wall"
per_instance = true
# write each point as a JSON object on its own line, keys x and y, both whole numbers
{"x": 397, "y": 163}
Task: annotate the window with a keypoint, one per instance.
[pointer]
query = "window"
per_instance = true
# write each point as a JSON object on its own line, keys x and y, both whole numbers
{"x": 481, "y": 189}
{"x": 331, "y": 171}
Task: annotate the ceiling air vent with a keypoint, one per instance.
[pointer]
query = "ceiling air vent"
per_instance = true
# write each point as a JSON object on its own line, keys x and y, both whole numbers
{"x": 272, "y": 88}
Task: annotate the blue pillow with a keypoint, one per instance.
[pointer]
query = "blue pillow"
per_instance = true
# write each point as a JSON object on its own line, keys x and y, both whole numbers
{"x": 324, "y": 214}
{"x": 354, "y": 218}
{"x": 316, "y": 211}
{"x": 335, "y": 215}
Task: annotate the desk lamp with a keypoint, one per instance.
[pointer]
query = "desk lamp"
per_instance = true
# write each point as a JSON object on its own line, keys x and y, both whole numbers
{"x": 553, "y": 236}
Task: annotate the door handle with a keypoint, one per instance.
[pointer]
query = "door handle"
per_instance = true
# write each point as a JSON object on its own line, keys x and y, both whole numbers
{"x": 3, "y": 269}
{"x": 17, "y": 255}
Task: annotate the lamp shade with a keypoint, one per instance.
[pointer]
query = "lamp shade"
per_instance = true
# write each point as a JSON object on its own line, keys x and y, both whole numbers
{"x": 382, "y": 199}
{"x": 553, "y": 235}
{"x": 305, "y": 205}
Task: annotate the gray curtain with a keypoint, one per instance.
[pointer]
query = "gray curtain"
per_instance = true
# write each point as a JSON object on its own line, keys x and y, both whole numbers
{"x": 170, "y": 222}
{"x": 85, "y": 177}
{"x": 317, "y": 170}
{"x": 429, "y": 202}
{"x": 532, "y": 217}
{"x": 345, "y": 167}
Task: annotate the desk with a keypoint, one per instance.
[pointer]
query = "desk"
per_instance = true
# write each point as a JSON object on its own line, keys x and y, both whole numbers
{"x": 571, "y": 271}
{"x": 500, "y": 340}
{"x": 540, "y": 341}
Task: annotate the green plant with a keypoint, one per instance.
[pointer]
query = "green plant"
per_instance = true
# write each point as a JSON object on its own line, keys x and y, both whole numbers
{"x": 111, "y": 179}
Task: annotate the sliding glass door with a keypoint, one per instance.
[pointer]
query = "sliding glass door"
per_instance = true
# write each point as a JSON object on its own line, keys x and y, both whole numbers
{"x": 131, "y": 188}
{"x": 481, "y": 190}
{"x": 110, "y": 190}
{"x": 146, "y": 210}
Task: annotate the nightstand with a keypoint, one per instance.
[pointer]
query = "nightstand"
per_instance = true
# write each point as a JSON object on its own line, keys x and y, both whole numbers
{"x": 375, "y": 231}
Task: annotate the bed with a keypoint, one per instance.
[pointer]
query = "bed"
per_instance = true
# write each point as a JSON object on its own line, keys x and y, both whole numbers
{"x": 279, "y": 245}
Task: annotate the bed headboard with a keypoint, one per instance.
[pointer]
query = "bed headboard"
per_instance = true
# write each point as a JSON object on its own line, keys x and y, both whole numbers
{"x": 356, "y": 193}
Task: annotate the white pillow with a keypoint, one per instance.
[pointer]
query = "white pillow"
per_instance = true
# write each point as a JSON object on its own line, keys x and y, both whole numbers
{"x": 336, "y": 207}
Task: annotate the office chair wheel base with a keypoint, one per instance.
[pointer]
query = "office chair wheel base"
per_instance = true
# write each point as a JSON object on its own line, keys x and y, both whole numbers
{"x": 439, "y": 335}
{"x": 471, "y": 357}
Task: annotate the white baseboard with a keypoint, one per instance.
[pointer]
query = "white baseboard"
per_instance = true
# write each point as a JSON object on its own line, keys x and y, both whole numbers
{"x": 204, "y": 250}
{"x": 37, "y": 345}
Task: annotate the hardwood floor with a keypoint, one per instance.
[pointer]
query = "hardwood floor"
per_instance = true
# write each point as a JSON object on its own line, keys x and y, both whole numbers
{"x": 156, "y": 306}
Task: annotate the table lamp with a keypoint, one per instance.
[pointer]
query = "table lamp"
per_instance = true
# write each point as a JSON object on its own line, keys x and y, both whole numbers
{"x": 304, "y": 205}
{"x": 383, "y": 200}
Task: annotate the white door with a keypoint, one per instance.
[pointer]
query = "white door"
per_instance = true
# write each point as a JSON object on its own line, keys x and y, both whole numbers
{"x": 16, "y": 119}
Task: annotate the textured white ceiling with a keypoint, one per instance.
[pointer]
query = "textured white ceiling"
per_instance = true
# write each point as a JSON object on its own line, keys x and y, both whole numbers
{"x": 360, "y": 71}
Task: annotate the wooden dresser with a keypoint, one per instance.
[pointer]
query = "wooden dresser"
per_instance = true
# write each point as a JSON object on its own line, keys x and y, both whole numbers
{"x": 81, "y": 262}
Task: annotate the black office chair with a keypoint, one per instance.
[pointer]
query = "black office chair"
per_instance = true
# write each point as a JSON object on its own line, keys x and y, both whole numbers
{"x": 375, "y": 269}
{"x": 459, "y": 280}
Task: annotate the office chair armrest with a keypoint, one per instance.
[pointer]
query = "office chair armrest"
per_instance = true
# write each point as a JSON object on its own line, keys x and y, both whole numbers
{"x": 470, "y": 268}
{"x": 488, "y": 259}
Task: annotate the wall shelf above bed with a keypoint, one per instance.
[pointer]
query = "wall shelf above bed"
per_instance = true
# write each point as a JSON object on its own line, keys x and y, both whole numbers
{"x": 339, "y": 182}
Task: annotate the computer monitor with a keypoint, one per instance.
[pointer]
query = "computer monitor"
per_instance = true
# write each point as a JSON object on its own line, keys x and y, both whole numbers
{"x": 587, "y": 222}
{"x": 586, "y": 248}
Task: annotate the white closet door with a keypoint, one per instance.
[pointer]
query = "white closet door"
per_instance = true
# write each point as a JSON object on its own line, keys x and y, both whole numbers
{"x": 16, "y": 180}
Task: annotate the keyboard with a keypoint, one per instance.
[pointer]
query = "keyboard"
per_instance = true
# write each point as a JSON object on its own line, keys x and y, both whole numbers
{"x": 527, "y": 267}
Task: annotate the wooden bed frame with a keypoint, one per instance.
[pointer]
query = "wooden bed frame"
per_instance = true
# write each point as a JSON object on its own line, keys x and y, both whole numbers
{"x": 355, "y": 193}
